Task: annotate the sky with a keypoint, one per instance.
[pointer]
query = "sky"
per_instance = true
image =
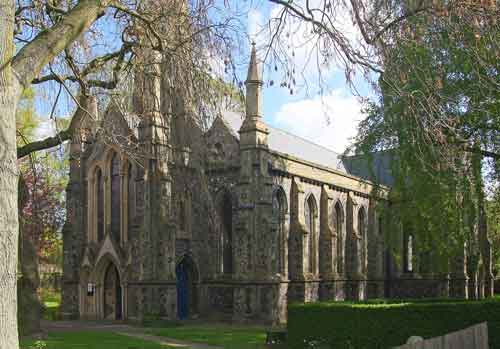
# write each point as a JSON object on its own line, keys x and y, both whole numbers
{"x": 329, "y": 118}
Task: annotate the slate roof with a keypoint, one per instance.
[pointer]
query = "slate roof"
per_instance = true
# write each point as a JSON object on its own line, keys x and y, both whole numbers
{"x": 287, "y": 143}
{"x": 380, "y": 172}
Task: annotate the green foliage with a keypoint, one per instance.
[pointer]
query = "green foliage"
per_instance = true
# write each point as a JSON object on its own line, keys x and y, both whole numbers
{"x": 45, "y": 176}
{"x": 438, "y": 110}
{"x": 39, "y": 345}
{"x": 91, "y": 340}
{"x": 381, "y": 324}
{"x": 227, "y": 336}
{"x": 26, "y": 119}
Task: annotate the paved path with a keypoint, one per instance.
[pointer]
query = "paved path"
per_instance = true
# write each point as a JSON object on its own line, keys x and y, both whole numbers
{"x": 168, "y": 341}
{"x": 123, "y": 329}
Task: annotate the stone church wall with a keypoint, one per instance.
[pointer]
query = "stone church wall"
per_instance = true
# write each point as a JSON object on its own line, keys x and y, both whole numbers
{"x": 217, "y": 225}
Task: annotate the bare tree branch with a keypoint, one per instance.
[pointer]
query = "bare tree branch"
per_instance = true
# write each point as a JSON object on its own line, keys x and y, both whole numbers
{"x": 81, "y": 115}
{"x": 30, "y": 60}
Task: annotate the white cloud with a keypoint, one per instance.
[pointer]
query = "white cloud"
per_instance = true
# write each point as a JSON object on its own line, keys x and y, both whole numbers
{"x": 330, "y": 121}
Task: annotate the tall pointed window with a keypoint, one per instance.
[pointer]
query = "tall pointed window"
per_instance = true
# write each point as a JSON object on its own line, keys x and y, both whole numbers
{"x": 338, "y": 225}
{"x": 182, "y": 214}
{"x": 310, "y": 215}
{"x": 99, "y": 185}
{"x": 115, "y": 196}
{"x": 279, "y": 214}
{"x": 226, "y": 217}
{"x": 363, "y": 235}
{"x": 130, "y": 199}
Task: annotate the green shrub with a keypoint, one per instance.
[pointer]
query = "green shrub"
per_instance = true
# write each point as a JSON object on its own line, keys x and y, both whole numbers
{"x": 382, "y": 324}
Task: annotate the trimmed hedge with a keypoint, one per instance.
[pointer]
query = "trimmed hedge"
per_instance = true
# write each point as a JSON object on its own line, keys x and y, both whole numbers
{"x": 382, "y": 324}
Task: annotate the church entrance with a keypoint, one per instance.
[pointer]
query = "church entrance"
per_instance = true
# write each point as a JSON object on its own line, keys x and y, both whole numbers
{"x": 187, "y": 295}
{"x": 112, "y": 294}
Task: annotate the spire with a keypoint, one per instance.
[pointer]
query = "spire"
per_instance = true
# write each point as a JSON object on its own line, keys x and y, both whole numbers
{"x": 253, "y": 75}
{"x": 254, "y": 87}
{"x": 253, "y": 131}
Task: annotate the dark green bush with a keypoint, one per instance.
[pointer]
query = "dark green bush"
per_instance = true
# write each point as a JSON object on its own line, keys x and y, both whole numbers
{"x": 382, "y": 324}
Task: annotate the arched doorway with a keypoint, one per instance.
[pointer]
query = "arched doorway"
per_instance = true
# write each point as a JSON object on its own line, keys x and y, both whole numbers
{"x": 112, "y": 294}
{"x": 187, "y": 292}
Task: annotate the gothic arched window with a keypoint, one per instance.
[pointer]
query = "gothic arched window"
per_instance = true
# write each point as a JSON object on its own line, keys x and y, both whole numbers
{"x": 408, "y": 253}
{"x": 130, "y": 198}
{"x": 115, "y": 196}
{"x": 182, "y": 215}
{"x": 99, "y": 195}
{"x": 226, "y": 216}
{"x": 363, "y": 235}
{"x": 338, "y": 225}
{"x": 310, "y": 215}
{"x": 279, "y": 214}
{"x": 184, "y": 212}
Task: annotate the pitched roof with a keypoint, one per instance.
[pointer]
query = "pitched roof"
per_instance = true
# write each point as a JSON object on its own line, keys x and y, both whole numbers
{"x": 376, "y": 169}
{"x": 287, "y": 143}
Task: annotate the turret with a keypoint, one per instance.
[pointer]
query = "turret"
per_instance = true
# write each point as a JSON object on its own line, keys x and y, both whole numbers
{"x": 253, "y": 132}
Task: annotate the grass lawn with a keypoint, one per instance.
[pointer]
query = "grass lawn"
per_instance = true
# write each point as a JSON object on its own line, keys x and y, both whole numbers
{"x": 91, "y": 340}
{"x": 230, "y": 337}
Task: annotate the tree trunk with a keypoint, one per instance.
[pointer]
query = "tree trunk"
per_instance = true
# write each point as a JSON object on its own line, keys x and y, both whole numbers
{"x": 29, "y": 310}
{"x": 17, "y": 71}
{"x": 9, "y": 93}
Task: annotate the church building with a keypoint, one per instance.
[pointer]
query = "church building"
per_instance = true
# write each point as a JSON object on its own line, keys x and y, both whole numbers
{"x": 232, "y": 223}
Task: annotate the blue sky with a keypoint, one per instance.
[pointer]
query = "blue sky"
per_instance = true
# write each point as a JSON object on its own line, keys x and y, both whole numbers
{"x": 329, "y": 119}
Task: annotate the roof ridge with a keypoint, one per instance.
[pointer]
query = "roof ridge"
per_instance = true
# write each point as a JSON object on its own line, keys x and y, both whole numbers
{"x": 304, "y": 139}
{"x": 287, "y": 132}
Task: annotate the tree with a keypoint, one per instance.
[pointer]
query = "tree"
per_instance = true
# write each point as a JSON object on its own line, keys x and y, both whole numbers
{"x": 41, "y": 205}
{"x": 434, "y": 66}
{"x": 46, "y": 42}
{"x": 438, "y": 116}
{"x": 16, "y": 72}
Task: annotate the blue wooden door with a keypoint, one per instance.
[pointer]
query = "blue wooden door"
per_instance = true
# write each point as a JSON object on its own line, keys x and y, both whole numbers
{"x": 182, "y": 291}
